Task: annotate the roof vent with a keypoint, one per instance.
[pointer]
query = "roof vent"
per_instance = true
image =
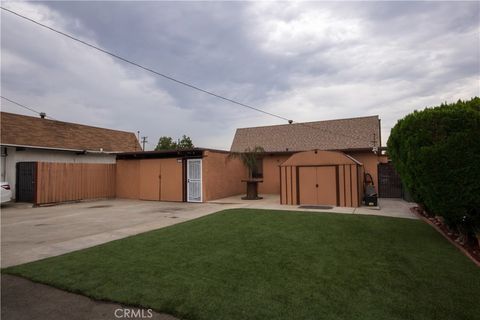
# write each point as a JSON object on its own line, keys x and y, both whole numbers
{"x": 43, "y": 115}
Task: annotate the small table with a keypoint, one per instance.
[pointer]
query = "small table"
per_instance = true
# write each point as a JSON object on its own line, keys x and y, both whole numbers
{"x": 252, "y": 189}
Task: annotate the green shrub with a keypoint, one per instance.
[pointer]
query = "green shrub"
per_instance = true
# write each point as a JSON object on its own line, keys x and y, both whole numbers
{"x": 436, "y": 152}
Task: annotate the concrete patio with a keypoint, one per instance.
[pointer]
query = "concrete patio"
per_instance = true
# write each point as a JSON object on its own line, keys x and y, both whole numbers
{"x": 387, "y": 207}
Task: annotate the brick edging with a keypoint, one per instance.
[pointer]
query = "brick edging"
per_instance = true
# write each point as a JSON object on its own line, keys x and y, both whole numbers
{"x": 439, "y": 230}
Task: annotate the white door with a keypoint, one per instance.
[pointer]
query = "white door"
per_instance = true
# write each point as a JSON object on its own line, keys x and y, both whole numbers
{"x": 194, "y": 180}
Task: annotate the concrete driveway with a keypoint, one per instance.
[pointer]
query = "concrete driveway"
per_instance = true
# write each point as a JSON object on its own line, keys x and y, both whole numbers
{"x": 30, "y": 234}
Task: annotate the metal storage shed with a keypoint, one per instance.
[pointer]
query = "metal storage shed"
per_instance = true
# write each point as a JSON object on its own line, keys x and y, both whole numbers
{"x": 321, "y": 178}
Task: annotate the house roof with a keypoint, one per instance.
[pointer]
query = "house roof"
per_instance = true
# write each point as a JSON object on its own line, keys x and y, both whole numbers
{"x": 341, "y": 134}
{"x": 20, "y": 130}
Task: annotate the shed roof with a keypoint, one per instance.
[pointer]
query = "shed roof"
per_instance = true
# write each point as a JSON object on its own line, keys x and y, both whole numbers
{"x": 319, "y": 158}
{"x": 341, "y": 134}
{"x": 20, "y": 130}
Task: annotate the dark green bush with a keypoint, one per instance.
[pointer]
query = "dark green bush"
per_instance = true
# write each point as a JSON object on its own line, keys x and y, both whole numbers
{"x": 436, "y": 152}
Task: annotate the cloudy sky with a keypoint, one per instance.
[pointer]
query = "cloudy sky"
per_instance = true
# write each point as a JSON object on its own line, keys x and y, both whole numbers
{"x": 303, "y": 61}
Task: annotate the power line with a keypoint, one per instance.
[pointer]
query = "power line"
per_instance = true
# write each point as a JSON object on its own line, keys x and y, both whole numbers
{"x": 145, "y": 68}
{"x": 290, "y": 121}
{"x": 25, "y": 107}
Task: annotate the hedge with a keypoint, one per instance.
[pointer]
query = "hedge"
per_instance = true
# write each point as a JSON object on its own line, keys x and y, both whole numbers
{"x": 436, "y": 152}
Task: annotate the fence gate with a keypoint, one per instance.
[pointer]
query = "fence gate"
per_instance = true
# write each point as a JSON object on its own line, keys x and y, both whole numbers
{"x": 25, "y": 184}
{"x": 389, "y": 183}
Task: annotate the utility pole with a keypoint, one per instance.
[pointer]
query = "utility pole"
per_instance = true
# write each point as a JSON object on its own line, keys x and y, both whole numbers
{"x": 138, "y": 139}
{"x": 144, "y": 140}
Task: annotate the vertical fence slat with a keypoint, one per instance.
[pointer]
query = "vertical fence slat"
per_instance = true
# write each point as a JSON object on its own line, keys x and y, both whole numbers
{"x": 60, "y": 182}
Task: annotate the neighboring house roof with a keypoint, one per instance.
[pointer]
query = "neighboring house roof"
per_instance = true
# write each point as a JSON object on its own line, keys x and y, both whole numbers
{"x": 341, "y": 134}
{"x": 20, "y": 130}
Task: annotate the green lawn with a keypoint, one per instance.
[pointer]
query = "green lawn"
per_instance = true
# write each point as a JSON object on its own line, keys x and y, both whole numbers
{"x": 257, "y": 264}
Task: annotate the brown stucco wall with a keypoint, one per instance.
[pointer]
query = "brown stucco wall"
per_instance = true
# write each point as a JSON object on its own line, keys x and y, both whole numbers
{"x": 370, "y": 163}
{"x": 271, "y": 177}
{"x": 222, "y": 176}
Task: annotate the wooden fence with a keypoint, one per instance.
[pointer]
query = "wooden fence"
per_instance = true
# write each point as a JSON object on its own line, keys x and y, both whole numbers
{"x": 60, "y": 182}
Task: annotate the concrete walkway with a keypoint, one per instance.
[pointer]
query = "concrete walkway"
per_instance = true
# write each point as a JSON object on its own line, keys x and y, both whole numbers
{"x": 397, "y": 208}
{"x": 26, "y": 300}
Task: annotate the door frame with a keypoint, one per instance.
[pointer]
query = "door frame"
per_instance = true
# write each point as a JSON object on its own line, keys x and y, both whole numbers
{"x": 145, "y": 170}
{"x": 19, "y": 182}
{"x": 337, "y": 191}
{"x": 188, "y": 180}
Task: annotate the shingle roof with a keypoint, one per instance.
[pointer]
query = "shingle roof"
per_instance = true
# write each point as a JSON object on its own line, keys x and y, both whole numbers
{"x": 341, "y": 134}
{"x": 23, "y": 130}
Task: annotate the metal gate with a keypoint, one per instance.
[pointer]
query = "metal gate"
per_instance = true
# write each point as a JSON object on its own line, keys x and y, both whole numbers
{"x": 389, "y": 183}
{"x": 25, "y": 184}
{"x": 194, "y": 180}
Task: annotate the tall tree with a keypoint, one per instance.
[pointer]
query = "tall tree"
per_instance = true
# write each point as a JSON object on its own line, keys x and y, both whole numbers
{"x": 185, "y": 143}
{"x": 167, "y": 143}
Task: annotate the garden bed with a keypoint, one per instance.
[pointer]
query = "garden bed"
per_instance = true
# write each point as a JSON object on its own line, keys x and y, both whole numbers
{"x": 471, "y": 250}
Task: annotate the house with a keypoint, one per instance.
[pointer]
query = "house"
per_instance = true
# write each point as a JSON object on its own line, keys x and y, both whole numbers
{"x": 26, "y": 140}
{"x": 322, "y": 162}
{"x": 314, "y": 163}
{"x": 304, "y": 162}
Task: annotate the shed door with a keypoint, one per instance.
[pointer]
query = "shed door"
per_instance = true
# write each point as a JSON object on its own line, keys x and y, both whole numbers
{"x": 308, "y": 185}
{"x": 25, "y": 184}
{"x": 327, "y": 186}
{"x": 150, "y": 179}
{"x": 194, "y": 180}
{"x": 318, "y": 185}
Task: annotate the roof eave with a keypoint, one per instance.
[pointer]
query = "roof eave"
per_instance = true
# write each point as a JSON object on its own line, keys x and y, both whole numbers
{"x": 57, "y": 149}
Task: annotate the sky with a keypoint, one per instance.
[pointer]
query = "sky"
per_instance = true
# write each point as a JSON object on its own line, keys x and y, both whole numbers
{"x": 305, "y": 61}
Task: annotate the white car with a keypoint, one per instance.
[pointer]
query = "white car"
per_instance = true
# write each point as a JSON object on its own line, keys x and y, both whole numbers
{"x": 5, "y": 192}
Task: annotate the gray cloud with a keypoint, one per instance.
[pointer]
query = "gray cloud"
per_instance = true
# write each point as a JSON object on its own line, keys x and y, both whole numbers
{"x": 306, "y": 61}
